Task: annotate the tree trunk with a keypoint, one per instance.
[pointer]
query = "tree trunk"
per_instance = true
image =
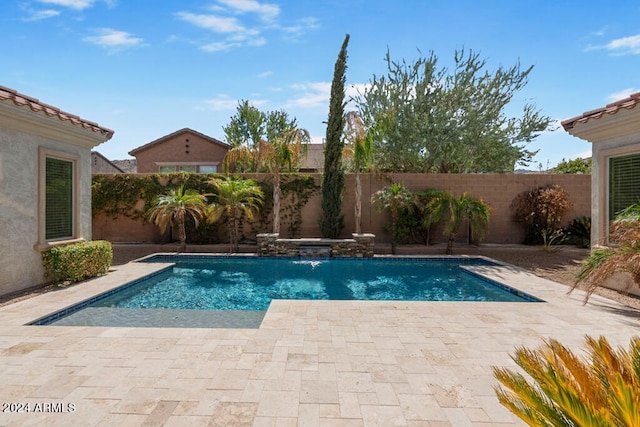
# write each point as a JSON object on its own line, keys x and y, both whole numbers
{"x": 394, "y": 231}
{"x": 276, "y": 203}
{"x": 450, "y": 244}
{"x": 182, "y": 235}
{"x": 358, "y": 205}
{"x": 234, "y": 234}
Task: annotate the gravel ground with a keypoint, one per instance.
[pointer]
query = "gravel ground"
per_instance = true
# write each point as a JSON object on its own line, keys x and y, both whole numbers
{"x": 561, "y": 265}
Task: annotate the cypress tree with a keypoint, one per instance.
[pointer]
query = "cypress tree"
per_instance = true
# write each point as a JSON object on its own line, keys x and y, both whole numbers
{"x": 332, "y": 221}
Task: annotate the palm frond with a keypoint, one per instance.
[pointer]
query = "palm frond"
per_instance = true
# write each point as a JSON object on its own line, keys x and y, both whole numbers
{"x": 567, "y": 391}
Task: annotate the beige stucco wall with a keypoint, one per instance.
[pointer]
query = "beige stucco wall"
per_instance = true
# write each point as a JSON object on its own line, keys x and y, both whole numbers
{"x": 29, "y": 132}
{"x": 20, "y": 263}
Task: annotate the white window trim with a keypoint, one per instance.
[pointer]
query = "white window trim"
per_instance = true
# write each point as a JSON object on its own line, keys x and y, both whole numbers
{"x": 44, "y": 153}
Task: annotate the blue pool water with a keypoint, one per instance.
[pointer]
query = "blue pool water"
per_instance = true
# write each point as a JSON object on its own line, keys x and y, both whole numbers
{"x": 247, "y": 285}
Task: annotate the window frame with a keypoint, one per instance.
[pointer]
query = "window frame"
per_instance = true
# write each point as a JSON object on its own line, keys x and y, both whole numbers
{"x": 611, "y": 162}
{"x": 43, "y": 154}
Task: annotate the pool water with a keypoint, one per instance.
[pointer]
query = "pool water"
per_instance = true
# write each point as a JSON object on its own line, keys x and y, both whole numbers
{"x": 249, "y": 284}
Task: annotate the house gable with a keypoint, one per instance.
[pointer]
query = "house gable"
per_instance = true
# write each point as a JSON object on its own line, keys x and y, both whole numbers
{"x": 100, "y": 164}
{"x": 183, "y": 148}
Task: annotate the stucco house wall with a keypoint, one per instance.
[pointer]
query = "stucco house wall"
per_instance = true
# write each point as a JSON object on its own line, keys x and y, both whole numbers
{"x": 614, "y": 131}
{"x": 182, "y": 148}
{"x": 30, "y": 131}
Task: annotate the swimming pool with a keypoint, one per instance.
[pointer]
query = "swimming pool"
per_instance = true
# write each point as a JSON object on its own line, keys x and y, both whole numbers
{"x": 231, "y": 291}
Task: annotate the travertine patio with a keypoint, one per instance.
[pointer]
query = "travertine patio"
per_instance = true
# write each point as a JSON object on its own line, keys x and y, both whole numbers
{"x": 311, "y": 363}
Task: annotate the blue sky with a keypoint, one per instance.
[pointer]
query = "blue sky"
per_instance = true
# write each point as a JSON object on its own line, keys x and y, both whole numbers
{"x": 148, "y": 68}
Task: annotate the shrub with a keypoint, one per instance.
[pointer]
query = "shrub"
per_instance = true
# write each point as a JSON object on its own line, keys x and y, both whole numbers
{"x": 622, "y": 256}
{"x": 541, "y": 211}
{"x": 561, "y": 389}
{"x": 77, "y": 261}
{"x": 578, "y": 232}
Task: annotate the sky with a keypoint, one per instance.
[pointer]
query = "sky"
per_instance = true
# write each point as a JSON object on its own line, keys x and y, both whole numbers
{"x": 146, "y": 69}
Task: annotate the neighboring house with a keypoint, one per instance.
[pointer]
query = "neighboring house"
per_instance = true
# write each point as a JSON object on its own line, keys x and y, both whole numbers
{"x": 614, "y": 131}
{"x": 100, "y": 164}
{"x": 183, "y": 150}
{"x": 45, "y": 184}
{"x": 127, "y": 165}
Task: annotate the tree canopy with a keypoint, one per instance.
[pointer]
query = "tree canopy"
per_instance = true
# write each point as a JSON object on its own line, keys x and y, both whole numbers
{"x": 573, "y": 166}
{"x": 437, "y": 120}
{"x": 257, "y": 139}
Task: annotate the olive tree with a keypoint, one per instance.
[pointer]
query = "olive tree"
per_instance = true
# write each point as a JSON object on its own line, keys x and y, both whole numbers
{"x": 450, "y": 121}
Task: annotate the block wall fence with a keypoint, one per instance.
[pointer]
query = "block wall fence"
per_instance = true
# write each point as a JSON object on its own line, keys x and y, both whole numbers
{"x": 498, "y": 190}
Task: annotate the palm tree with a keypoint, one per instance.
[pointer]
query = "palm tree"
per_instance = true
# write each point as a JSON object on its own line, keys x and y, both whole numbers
{"x": 426, "y": 204}
{"x": 235, "y": 198}
{"x": 623, "y": 256}
{"x": 281, "y": 148}
{"x": 566, "y": 391}
{"x": 458, "y": 210}
{"x": 284, "y": 154}
{"x": 392, "y": 199}
{"x": 172, "y": 209}
{"x": 361, "y": 149}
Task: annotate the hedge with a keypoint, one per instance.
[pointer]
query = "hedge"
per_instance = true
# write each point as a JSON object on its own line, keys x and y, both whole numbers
{"x": 77, "y": 261}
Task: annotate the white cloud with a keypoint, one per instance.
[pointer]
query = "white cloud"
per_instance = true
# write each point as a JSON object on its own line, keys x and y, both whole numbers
{"x": 622, "y": 46}
{"x": 626, "y": 45}
{"x": 617, "y": 96}
{"x": 317, "y": 94}
{"x": 224, "y": 102}
{"x": 214, "y": 23}
{"x": 243, "y": 23}
{"x": 72, "y": 4}
{"x": 114, "y": 39}
{"x": 265, "y": 74}
{"x": 302, "y": 26}
{"x": 266, "y": 12}
{"x": 314, "y": 95}
{"x": 42, "y": 14}
{"x": 218, "y": 46}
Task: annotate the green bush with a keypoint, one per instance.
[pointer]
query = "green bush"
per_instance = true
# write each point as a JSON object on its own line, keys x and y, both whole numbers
{"x": 77, "y": 261}
{"x": 578, "y": 232}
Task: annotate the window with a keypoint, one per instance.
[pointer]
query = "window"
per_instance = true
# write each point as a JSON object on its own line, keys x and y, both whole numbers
{"x": 208, "y": 169}
{"x": 167, "y": 169}
{"x": 192, "y": 168}
{"x": 58, "y": 199}
{"x": 624, "y": 182}
{"x": 188, "y": 168}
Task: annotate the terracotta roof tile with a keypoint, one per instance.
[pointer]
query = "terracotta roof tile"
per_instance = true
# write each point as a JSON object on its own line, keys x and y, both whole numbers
{"x": 35, "y": 105}
{"x": 627, "y": 103}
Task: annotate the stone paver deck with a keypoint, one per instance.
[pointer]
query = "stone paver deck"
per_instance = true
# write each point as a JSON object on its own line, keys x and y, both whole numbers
{"x": 311, "y": 363}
